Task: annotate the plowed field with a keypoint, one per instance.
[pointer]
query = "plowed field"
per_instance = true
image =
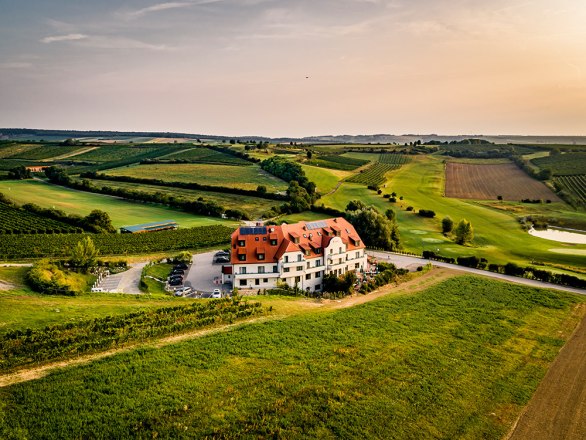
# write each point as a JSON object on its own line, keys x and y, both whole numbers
{"x": 487, "y": 181}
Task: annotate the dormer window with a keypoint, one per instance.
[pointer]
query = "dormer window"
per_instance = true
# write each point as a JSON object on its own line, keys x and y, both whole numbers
{"x": 242, "y": 257}
{"x": 241, "y": 243}
{"x": 261, "y": 256}
{"x": 273, "y": 242}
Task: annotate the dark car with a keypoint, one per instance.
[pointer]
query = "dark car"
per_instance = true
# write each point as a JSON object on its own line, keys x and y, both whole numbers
{"x": 182, "y": 266}
{"x": 175, "y": 282}
{"x": 222, "y": 260}
{"x": 178, "y": 272}
{"x": 222, "y": 254}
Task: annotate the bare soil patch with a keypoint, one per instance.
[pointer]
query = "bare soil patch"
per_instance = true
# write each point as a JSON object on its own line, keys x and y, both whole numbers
{"x": 488, "y": 181}
{"x": 558, "y": 407}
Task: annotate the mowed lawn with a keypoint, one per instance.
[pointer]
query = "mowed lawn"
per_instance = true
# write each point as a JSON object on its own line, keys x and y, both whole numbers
{"x": 246, "y": 177}
{"x": 122, "y": 212}
{"x": 458, "y": 360}
{"x": 498, "y": 235}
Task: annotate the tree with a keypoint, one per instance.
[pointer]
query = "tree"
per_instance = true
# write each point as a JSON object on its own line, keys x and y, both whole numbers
{"x": 84, "y": 254}
{"x": 390, "y": 214}
{"x": 375, "y": 229}
{"x": 355, "y": 205}
{"x": 447, "y": 225}
{"x": 464, "y": 232}
{"x": 183, "y": 257}
{"x": 299, "y": 199}
{"x": 261, "y": 189}
{"x": 309, "y": 154}
{"x": 99, "y": 221}
{"x": 19, "y": 173}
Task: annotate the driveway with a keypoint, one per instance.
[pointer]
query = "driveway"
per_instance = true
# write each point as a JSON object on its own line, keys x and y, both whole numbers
{"x": 405, "y": 261}
{"x": 124, "y": 282}
{"x": 204, "y": 276}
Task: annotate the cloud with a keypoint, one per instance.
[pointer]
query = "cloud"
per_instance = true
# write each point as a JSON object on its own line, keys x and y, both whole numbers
{"x": 68, "y": 37}
{"x": 159, "y": 7}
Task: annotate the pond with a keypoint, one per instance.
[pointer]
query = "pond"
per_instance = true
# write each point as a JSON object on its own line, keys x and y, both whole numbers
{"x": 561, "y": 235}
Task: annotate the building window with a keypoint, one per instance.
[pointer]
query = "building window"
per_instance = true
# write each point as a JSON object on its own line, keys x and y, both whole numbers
{"x": 318, "y": 275}
{"x": 299, "y": 268}
{"x": 273, "y": 242}
{"x": 340, "y": 250}
{"x": 257, "y": 282}
{"x": 243, "y": 282}
{"x": 286, "y": 258}
{"x": 297, "y": 279}
{"x": 331, "y": 251}
{"x": 318, "y": 263}
{"x": 308, "y": 276}
{"x": 241, "y": 243}
{"x": 299, "y": 257}
{"x": 285, "y": 269}
{"x": 357, "y": 266}
{"x": 264, "y": 239}
{"x": 318, "y": 251}
{"x": 357, "y": 254}
{"x": 308, "y": 264}
{"x": 261, "y": 269}
{"x": 242, "y": 257}
{"x": 256, "y": 238}
{"x": 265, "y": 280}
{"x": 317, "y": 286}
{"x": 261, "y": 256}
{"x": 275, "y": 269}
{"x": 243, "y": 271}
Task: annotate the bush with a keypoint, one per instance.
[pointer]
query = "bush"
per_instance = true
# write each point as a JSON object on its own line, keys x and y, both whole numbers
{"x": 427, "y": 213}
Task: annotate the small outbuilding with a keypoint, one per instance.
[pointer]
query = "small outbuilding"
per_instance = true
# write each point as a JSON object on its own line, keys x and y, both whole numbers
{"x": 164, "y": 225}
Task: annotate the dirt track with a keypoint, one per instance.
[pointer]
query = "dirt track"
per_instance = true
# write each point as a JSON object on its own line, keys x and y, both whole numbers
{"x": 557, "y": 410}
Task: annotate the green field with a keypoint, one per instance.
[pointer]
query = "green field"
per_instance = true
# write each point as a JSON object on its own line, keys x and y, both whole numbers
{"x": 206, "y": 155}
{"x": 248, "y": 177}
{"x": 498, "y": 235}
{"x": 112, "y": 153}
{"x": 11, "y": 149}
{"x": 255, "y": 206}
{"x": 46, "y": 152}
{"x": 122, "y": 212}
{"x": 458, "y": 360}
{"x": 325, "y": 179}
{"x": 563, "y": 164}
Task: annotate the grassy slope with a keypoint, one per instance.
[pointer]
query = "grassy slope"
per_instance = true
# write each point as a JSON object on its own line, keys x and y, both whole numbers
{"x": 498, "y": 236}
{"x": 256, "y": 206}
{"x": 248, "y": 177}
{"x": 457, "y": 360}
{"x": 121, "y": 212}
{"x": 325, "y": 179}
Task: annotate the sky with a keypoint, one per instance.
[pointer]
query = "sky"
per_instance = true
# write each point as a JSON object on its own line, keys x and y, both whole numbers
{"x": 295, "y": 67}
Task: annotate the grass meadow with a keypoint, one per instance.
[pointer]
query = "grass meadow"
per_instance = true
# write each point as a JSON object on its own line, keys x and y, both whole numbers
{"x": 255, "y": 206}
{"x": 245, "y": 177}
{"x": 122, "y": 212}
{"x": 458, "y": 360}
{"x": 325, "y": 179}
{"x": 498, "y": 235}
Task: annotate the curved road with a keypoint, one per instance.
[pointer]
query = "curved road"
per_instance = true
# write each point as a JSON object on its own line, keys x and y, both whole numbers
{"x": 409, "y": 262}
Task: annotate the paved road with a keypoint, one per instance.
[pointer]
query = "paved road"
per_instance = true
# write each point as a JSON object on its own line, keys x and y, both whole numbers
{"x": 408, "y": 262}
{"x": 125, "y": 282}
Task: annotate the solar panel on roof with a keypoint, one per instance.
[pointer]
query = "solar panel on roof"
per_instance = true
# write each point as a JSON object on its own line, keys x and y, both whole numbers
{"x": 253, "y": 230}
{"x": 316, "y": 225}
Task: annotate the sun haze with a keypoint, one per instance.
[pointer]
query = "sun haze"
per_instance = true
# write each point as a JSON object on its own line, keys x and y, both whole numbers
{"x": 295, "y": 68}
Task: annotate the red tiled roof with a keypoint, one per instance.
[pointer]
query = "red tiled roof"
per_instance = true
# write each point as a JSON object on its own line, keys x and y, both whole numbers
{"x": 308, "y": 240}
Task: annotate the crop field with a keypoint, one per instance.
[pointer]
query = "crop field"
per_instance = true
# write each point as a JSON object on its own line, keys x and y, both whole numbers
{"x": 375, "y": 174}
{"x": 11, "y": 149}
{"x": 46, "y": 152}
{"x": 19, "y": 246}
{"x": 255, "y": 206}
{"x": 19, "y": 221}
{"x": 206, "y": 155}
{"x": 575, "y": 184}
{"x": 249, "y": 177}
{"x": 563, "y": 164}
{"x": 458, "y": 360}
{"x": 483, "y": 182}
{"x": 498, "y": 235}
{"x": 337, "y": 162}
{"x": 114, "y": 153}
{"x": 122, "y": 212}
{"x": 393, "y": 158}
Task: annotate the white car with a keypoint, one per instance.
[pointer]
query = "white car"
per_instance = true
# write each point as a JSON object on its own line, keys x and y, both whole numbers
{"x": 183, "y": 291}
{"x": 217, "y": 293}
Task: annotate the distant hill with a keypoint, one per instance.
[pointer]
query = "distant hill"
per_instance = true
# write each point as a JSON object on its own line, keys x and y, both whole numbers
{"x": 38, "y": 134}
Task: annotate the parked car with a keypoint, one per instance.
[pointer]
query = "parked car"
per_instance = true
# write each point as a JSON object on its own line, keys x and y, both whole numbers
{"x": 177, "y": 272}
{"x": 182, "y": 291}
{"x": 217, "y": 293}
{"x": 181, "y": 266}
{"x": 176, "y": 282}
{"x": 222, "y": 254}
{"x": 222, "y": 259}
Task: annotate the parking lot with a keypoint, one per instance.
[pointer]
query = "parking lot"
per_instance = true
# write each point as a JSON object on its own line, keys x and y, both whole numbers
{"x": 204, "y": 276}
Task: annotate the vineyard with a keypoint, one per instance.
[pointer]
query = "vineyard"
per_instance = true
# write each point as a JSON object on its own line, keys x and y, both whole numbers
{"x": 18, "y": 221}
{"x": 18, "y": 348}
{"x": 563, "y": 164}
{"x": 205, "y": 155}
{"x": 12, "y": 149}
{"x": 115, "y": 153}
{"x": 59, "y": 245}
{"x": 576, "y": 185}
{"x": 45, "y": 152}
{"x": 337, "y": 162}
{"x": 375, "y": 174}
